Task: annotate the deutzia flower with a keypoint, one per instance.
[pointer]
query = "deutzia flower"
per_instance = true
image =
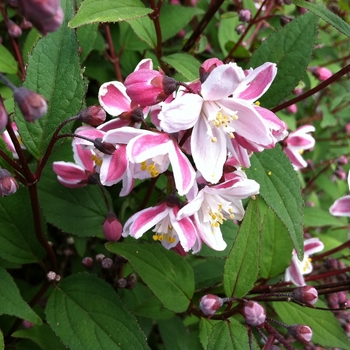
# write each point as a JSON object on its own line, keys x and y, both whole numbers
{"x": 341, "y": 207}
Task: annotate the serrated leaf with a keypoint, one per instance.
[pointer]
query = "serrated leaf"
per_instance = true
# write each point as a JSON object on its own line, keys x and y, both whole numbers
{"x": 326, "y": 15}
{"x": 11, "y": 301}
{"x": 290, "y": 48}
{"x": 42, "y": 335}
{"x": 166, "y": 274}
{"x": 242, "y": 265}
{"x": 144, "y": 29}
{"x": 276, "y": 246}
{"x": 86, "y": 313}
{"x": 174, "y": 18}
{"x": 174, "y": 334}
{"x": 17, "y": 236}
{"x": 326, "y": 330}
{"x": 92, "y": 11}
{"x": 185, "y": 64}
{"x": 54, "y": 72}
{"x": 80, "y": 211}
{"x": 2, "y": 345}
{"x": 280, "y": 189}
{"x": 87, "y": 36}
{"x": 228, "y": 336}
{"x": 8, "y": 64}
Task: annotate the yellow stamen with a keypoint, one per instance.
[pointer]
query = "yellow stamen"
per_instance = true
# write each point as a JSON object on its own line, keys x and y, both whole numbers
{"x": 97, "y": 160}
{"x": 257, "y": 103}
{"x": 214, "y": 139}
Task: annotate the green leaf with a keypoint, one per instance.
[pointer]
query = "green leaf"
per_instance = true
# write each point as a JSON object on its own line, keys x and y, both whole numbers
{"x": 276, "y": 246}
{"x": 174, "y": 334}
{"x": 230, "y": 335}
{"x": 242, "y": 265}
{"x": 42, "y": 335}
{"x": 86, "y": 313}
{"x": 322, "y": 12}
{"x": 144, "y": 29}
{"x": 80, "y": 211}
{"x": 54, "y": 72}
{"x": 208, "y": 272}
{"x": 167, "y": 274}
{"x": 87, "y": 36}
{"x": 185, "y": 64}
{"x": 325, "y": 327}
{"x": 174, "y": 18}
{"x": 317, "y": 217}
{"x": 280, "y": 188}
{"x": 8, "y": 64}
{"x": 17, "y": 236}
{"x": 290, "y": 48}
{"x": 92, "y": 11}
{"x": 11, "y": 302}
{"x": 2, "y": 345}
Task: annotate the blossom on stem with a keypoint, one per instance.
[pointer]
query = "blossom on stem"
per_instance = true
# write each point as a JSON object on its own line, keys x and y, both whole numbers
{"x": 210, "y": 303}
{"x": 168, "y": 229}
{"x": 8, "y": 184}
{"x": 341, "y": 207}
{"x": 297, "y": 268}
{"x": 7, "y": 139}
{"x": 296, "y": 143}
{"x": 112, "y": 228}
{"x": 254, "y": 314}
{"x": 224, "y": 111}
{"x": 213, "y": 205}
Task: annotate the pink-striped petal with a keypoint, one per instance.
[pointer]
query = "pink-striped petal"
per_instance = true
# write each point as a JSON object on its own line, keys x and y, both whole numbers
{"x": 341, "y": 207}
{"x": 83, "y": 157}
{"x": 293, "y": 273}
{"x": 70, "y": 174}
{"x": 312, "y": 246}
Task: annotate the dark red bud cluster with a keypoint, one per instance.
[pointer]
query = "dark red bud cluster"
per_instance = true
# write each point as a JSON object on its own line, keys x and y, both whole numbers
{"x": 46, "y": 15}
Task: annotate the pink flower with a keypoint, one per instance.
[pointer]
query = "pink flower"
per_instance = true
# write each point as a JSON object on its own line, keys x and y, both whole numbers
{"x": 341, "y": 207}
{"x": 321, "y": 73}
{"x": 297, "y": 268}
{"x": 168, "y": 229}
{"x": 213, "y": 205}
{"x": 112, "y": 228}
{"x": 224, "y": 117}
{"x": 210, "y": 303}
{"x": 8, "y": 184}
{"x": 296, "y": 143}
{"x": 6, "y": 137}
{"x": 253, "y": 313}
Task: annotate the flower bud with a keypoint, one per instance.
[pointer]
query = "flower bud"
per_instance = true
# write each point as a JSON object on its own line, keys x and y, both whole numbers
{"x": 240, "y": 29}
{"x": 321, "y": 73}
{"x": 210, "y": 303}
{"x": 27, "y": 324}
{"x": 131, "y": 281}
{"x": 3, "y": 118}
{"x": 88, "y": 262}
{"x": 245, "y": 15}
{"x": 207, "y": 67}
{"x": 112, "y": 228}
{"x": 284, "y": 20}
{"x": 51, "y": 276}
{"x": 99, "y": 258}
{"x": 121, "y": 283}
{"x": 26, "y": 24}
{"x": 292, "y": 109}
{"x": 32, "y": 105}
{"x": 104, "y": 147}
{"x": 107, "y": 263}
{"x": 13, "y": 29}
{"x": 148, "y": 87}
{"x": 340, "y": 174}
{"x": 301, "y": 332}
{"x": 305, "y": 295}
{"x": 8, "y": 184}
{"x": 254, "y": 313}
{"x": 93, "y": 115}
{"x": 342, "y": 160}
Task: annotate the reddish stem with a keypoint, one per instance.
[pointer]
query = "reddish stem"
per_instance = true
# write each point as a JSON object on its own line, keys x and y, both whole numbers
{"x": 112, "y": 55}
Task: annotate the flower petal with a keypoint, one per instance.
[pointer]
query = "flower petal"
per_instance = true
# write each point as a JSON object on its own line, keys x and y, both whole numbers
{"x": 293, "y": 273}
{"x": 312, "y": 246}
{"x": 341, "y": 207}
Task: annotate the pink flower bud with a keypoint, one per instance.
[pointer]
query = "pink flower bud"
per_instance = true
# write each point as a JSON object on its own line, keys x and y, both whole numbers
{"x": 51, "y": 276}
{"x": 347, "y": 128}
{"x": 342, "y": 160}
{"x": 210, "y": 303}
{"x": 321, "y": 73}
{"x": 88, "y": 262}
{"x": 298, "y": 91}
{"x": 148, "y": 87}
{"x": 107, "y": 263}
{"x": 292, "y": 109}
{"x": 93, "y": 115}
{"x": 27, "y": 324}
{"x": 32, "y": 105}
{"x": 112, "y": 228}
{"x": 13, "y": 29}
{"x": 26, "y": 24}
{"x": 305, "y": 295}
{"x": 3, "y": 118}
{"x": 301, "y": 332}
{"x": 207, "y": 67}
{"x": 99, "y": 258}
{"x": 8, "y": 185}
{"x": 340, "y": 174}
{"x": 245, "y": 15}
{"x": 240, "y": 28}
{"x": 254, "y": 313}
{"x": 131, "y": 281}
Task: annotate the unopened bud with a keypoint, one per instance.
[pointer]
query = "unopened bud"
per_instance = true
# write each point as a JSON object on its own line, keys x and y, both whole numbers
{"x": 88, "y": 262}
{"x": 340, "y": 174}
{"x": 27, "y": 324}
{"x": 240, "y": 29}
{"x": 178, "y": 249}
{"x": 26, "y": 24}
{"x": 131, "y": 281}
{"x": 112, "y": 228}
{"x": 305, "y": 295}
{"x": 121, "y": 283}
{"x": 292, "y": 109}
{"x": 301, "y": 332}
{"x": 245, "y": 15}
{"x": 107, "y": 263}
{"x": 57, "y": 278}
{"x": 51, "y": 276}
{"x": 32, "y": 105}
{"x": 207, "y": 67}
{"x": 342, "y": 160}
{"x": 104, "y": 147}
{"x": 13, "y": 29}
{"x": 321, "y": 73}
{"x": 12, "y": 3}
{"x": 210, "y": 303}
{"x": 93, "y": 115}
{"x": 8, "y": 184}
{"x": 3, "y": 118}
{"x": 99, "y": 258}
{"x": 254, "y": 313}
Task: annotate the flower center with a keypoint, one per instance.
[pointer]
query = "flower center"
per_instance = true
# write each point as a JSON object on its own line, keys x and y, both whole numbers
{"x": 307, "y": 264}
{"x": 168, "y": 236}
{"x": 96, "y": 159}
{"x": 151, "y": 168}
{"x": 223, "y": 121}
{"x": 217, "y": 218}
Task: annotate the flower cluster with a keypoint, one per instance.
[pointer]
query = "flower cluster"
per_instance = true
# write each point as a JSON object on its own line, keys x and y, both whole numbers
{"x": 197, "y": 134}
